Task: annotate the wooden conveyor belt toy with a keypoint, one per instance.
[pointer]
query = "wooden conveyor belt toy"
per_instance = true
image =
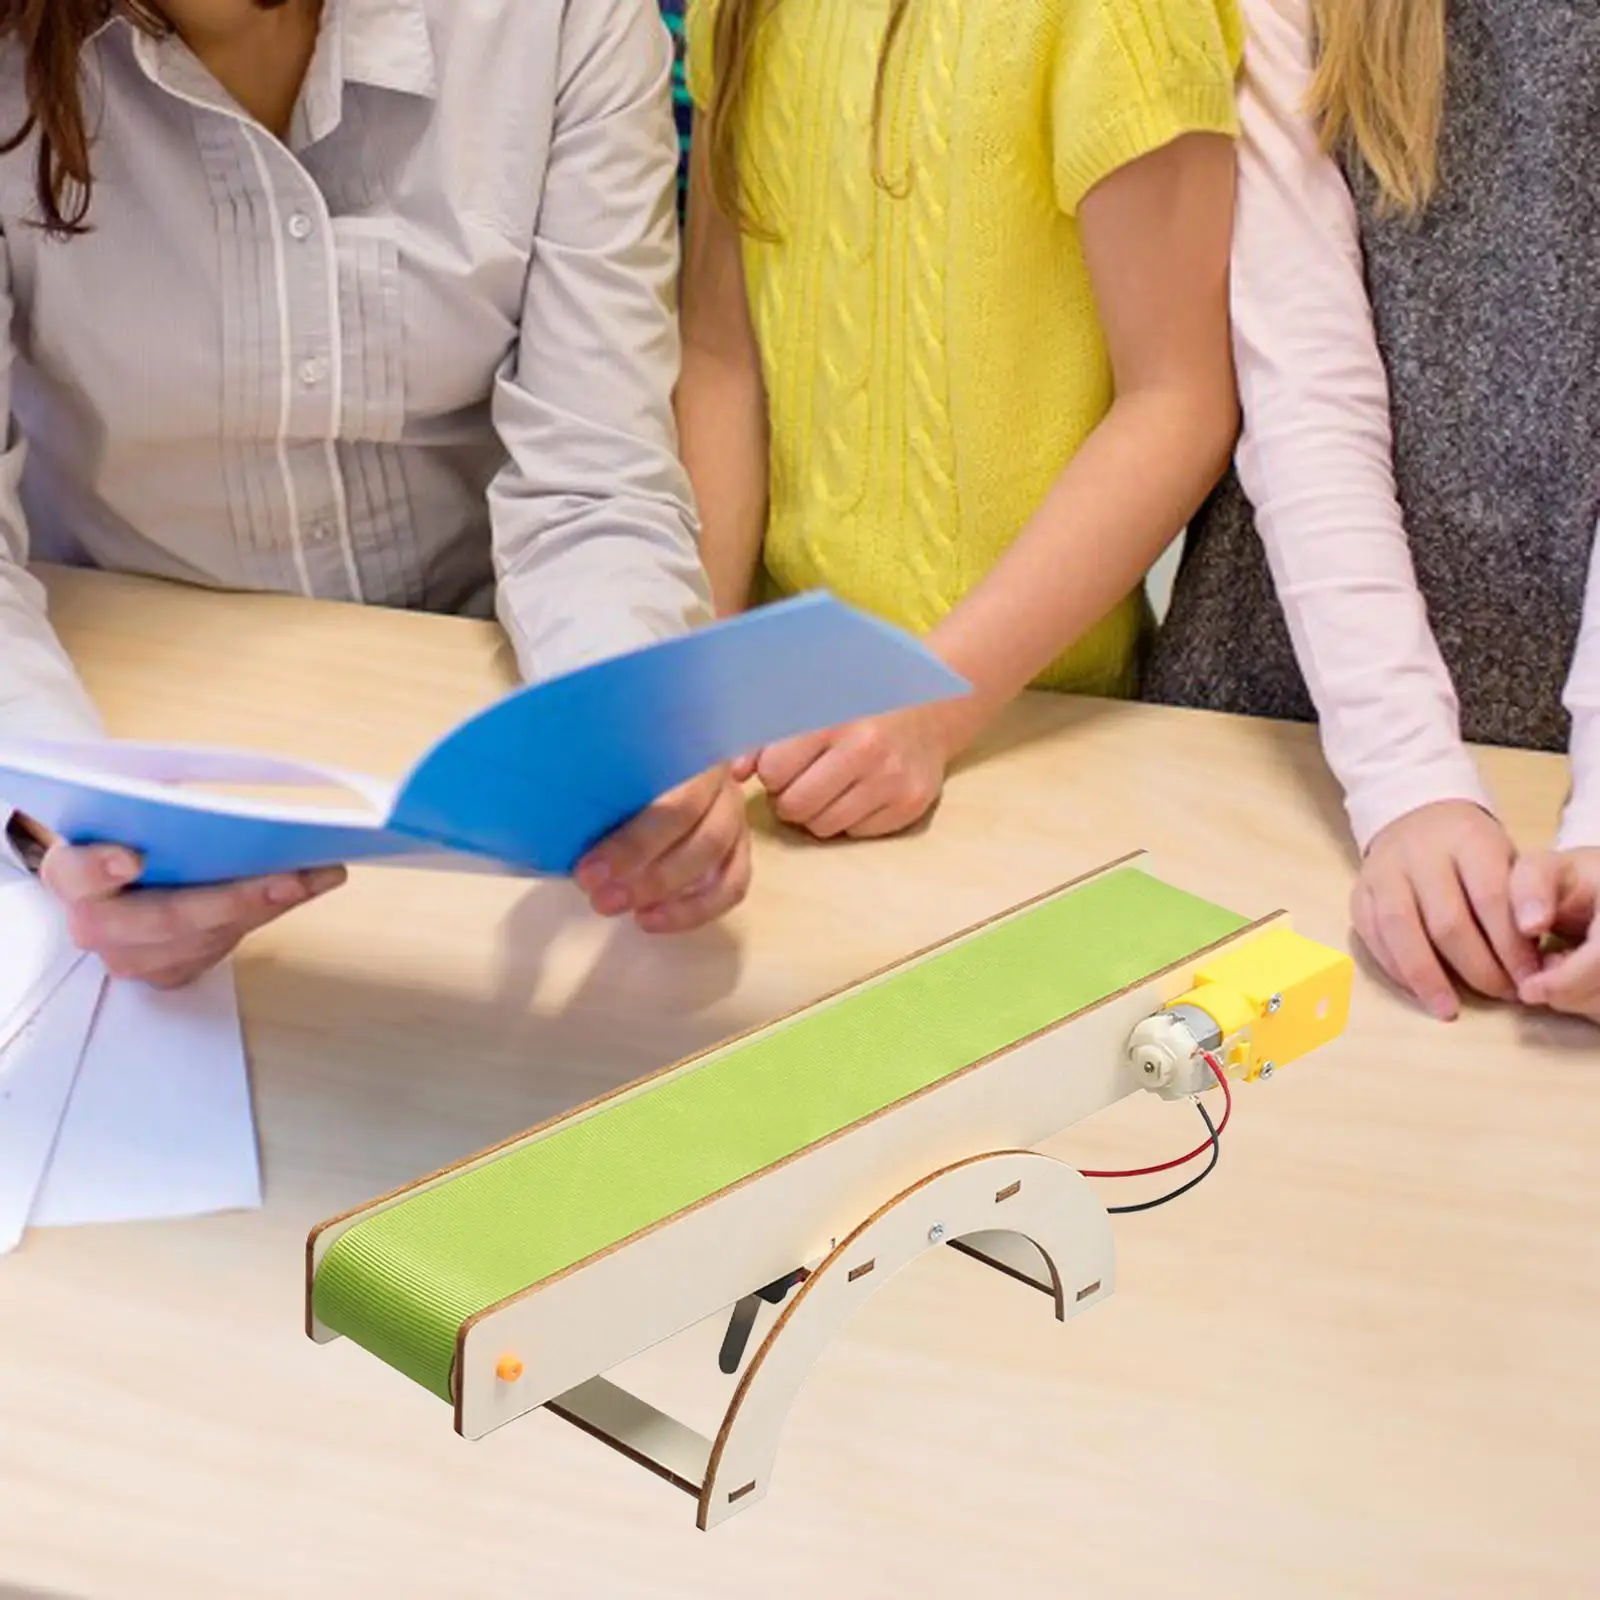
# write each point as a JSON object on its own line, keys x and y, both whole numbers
{"x": 806, "y": 1163}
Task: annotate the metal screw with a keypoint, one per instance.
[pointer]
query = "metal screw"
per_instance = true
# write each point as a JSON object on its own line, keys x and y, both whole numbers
{"x": 1275, "y": 1004}
{"x": 936, "y": 1233}
{"x": 1268, "y": 1068}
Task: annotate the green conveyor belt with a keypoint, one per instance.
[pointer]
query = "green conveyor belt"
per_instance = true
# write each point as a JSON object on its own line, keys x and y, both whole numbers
{"x": 402, "y": 1283}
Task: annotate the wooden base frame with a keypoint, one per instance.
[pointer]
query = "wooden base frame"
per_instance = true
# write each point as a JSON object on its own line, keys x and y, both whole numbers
{"x": 1026, "y": 1214}
{"x": 954, "y": 1164}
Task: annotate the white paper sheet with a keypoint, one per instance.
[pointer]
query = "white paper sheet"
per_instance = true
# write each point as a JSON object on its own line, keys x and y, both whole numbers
{"x": 116, "y": 1103}
{"x": 37, "y": 1072}
{"x": 160, "y": 1123}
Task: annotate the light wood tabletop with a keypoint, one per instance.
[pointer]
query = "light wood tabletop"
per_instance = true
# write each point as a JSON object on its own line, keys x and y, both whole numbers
{"x": 1360, "y": 1360}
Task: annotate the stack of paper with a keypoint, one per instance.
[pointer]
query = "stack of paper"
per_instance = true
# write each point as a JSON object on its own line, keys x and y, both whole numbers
{"x": 117, "y": 1104}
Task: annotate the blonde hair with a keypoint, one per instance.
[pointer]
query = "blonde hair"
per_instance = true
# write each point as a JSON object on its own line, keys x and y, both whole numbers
{"x": 733, "y": 50}
{"x": 1378, "y": 92}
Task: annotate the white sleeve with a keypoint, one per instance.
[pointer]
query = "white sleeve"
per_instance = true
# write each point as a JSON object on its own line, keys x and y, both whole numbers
{"x": 1581, "y": 824}
{"x": 40, "y": 695}
{"x": 595, "y": 532}
{"x": 1316, "y": 454}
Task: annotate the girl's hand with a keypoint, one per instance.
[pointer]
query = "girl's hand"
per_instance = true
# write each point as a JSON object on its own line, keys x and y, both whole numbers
{"x": 165, "y": 938}
{"x": 681, "y": 864}
{"x": 1558, "y": 895}
{"x": 1433, "y": 905}
{"x": 865, "y": 780}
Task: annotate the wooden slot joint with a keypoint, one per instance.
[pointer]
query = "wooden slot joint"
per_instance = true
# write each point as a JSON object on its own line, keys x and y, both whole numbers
{"x": 1087, "y": 1290}
{"x": 861, "y": 1271}
{"x": 1010, "y": 1192}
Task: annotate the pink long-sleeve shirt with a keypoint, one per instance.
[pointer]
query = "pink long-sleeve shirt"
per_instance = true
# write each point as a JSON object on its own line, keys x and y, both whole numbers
{"x": 1316, "y": 459}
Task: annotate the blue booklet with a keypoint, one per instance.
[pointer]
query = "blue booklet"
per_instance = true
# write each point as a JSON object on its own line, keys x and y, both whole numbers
{"x": 528, "y": 786}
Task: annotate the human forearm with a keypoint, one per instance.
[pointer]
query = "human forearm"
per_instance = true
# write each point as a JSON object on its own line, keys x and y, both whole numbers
{"x": 722, "y": 425}
{"x": 1115, "y": 508}
{"x": 1155, "y": 237}
{"x": 594, "y": 529}
{"x": 40, "y": 695}
{"x": 1580, "y": 826}
{"x": 1317, "y": 457}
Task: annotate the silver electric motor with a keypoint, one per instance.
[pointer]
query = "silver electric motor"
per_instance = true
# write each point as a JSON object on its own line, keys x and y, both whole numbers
{"x": 1167, "y": 1052}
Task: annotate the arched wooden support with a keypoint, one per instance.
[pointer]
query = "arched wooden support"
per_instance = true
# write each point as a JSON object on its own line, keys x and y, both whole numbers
{"x": 1025, "y": 1213}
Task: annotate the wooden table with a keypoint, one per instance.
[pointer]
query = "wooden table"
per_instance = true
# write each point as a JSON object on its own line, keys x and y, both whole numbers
{"x": 1360, "y": 1361}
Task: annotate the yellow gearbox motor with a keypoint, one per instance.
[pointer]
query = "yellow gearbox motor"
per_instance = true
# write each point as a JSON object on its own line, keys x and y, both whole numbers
{"x": 1254, "y": 1009}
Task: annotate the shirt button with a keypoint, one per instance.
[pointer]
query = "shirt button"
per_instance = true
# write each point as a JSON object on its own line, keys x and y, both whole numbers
{"x": 300, "y": 226}
{"x": 312, "y": 372}
{"x": 320, "y": 532}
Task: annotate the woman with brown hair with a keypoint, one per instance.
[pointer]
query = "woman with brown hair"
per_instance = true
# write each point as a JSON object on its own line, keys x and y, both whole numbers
{"x": 1416, "y": 300}
{"x": 363, "y": 300}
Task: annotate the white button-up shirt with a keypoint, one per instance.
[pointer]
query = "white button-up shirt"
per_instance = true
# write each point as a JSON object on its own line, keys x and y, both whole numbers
{"x": 421, "y": 354}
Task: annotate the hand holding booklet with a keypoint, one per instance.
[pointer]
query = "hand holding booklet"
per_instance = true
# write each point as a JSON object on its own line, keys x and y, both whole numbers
{"x": 120, "y": 1104}
{"x": 527, "y": 786}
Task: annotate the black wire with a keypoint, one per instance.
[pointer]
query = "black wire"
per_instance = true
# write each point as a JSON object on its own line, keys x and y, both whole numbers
{"x": 1182, "y": 1189}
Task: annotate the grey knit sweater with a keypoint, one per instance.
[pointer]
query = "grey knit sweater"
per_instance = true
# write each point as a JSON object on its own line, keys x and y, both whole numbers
{"x": 1488, "y": 317}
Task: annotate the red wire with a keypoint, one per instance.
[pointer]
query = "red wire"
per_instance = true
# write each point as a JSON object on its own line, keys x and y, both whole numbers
{"x": 1200, "y": 1150}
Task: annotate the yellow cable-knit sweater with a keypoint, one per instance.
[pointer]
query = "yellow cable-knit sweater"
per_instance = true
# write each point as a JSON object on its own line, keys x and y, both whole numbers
{"x": 932, "y": 354}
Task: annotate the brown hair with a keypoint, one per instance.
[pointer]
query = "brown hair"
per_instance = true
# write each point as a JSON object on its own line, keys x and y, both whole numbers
{"x": 1379, "y": 91}
{"x": 738, "y": 22}
{"x": 51, "y": 35}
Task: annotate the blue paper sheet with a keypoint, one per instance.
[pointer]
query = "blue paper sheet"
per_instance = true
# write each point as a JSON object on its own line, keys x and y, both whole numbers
{"x": 529, "y": 785}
